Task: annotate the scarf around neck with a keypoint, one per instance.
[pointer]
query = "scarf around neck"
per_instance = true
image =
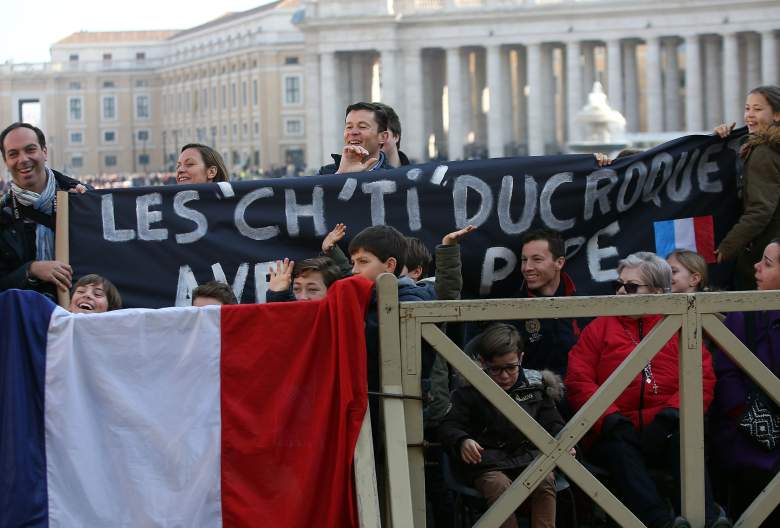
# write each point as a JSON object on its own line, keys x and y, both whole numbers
{"x": 43, "y": 202}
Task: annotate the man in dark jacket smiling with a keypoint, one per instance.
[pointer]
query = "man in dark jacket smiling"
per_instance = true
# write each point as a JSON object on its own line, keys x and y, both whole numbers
{"x": 27, "y": 214}
{"x": 365, "y": 133}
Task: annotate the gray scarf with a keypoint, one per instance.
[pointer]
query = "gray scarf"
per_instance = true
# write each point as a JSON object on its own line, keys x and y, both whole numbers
{"x": 44, "y": 202}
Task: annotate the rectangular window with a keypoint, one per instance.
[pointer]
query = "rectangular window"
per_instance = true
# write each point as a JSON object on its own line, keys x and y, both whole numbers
{"x": 76, "y": 138}
{"x": 73, "y": 57}
{"x": 110, "y": 161}
{"x": 143, "y": 159}
{"x": 257, "y": 127}
{"x": 243, "y": 94}
{"x": 143, "y": 135}
{"x": 213, "y": 97}
{"x": 224, "y": 96}
{"x": 74, "y": 108}
{"x": 213, "y": 133}
{"x": 74, "y": 86}
{"x": 204, "y": 103}
{"x": 244, "y": 130}
{"x": 109, "y": 136}
{"x": 233, "y": 95}
{"x": 142, "y": 107}
{"x": 292, "y": 90}
{"x": 140, "y": 56}
{"x": 108, "y": 84}
{"x": 224, "y": 131}
{"x": 141, "y": 83}
{"x": 107, "y": 57}
{"x": 293, "y": 127}
{"x": 291, "y": 60}
{"x": 235, "y": 130}
{"x": 254, "y": 92}
{"x": 109, "y": 107}
{"x": 76, "y": 162}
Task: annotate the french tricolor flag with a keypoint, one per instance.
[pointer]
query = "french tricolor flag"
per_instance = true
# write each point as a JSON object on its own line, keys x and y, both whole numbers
{"x": 695, "y": 234}
{"x": 182, "y": 417}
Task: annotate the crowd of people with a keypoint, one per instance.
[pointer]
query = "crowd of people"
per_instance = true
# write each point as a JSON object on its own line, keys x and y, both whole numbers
{"x": 550, "y": 367}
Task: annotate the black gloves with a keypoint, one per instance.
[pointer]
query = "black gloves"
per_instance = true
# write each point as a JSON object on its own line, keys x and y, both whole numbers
{"x": 618, "y": 427}
{"x": 658, "y": 433}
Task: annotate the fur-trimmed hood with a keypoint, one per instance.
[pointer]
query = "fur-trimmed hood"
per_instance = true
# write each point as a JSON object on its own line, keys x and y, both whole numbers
{"x": 769, "y": 136}
{"x": 548, "y": 380}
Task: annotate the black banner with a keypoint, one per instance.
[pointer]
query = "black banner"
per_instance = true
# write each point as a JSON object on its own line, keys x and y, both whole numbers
{"x": 157, "y": 243}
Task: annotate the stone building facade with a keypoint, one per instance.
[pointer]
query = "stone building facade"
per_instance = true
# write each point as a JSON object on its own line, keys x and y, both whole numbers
{"x": 267, "y": 87}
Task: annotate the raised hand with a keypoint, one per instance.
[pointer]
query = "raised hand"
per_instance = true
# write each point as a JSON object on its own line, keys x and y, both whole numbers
{"x": 336, "y": 235}
{"x": 281, "y": 276}
{"x": 355, "y": 158}
{"x": 724, "y": 130}
{"x": 451, "y": 239}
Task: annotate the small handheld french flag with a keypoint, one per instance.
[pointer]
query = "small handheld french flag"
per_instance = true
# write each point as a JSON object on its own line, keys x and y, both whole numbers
{"x": 696, "y": 234}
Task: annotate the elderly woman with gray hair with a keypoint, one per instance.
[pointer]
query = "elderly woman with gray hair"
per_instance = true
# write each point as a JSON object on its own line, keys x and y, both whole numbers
{"x": 640, "y": 429}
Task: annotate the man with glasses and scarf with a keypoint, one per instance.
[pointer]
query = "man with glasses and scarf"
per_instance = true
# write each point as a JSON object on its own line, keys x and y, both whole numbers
{"x": 486, "y": 447}
{"x": 28, "y": 212}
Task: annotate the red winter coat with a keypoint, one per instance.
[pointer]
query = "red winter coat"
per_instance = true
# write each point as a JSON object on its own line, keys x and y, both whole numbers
{"x": 602, "y": 347}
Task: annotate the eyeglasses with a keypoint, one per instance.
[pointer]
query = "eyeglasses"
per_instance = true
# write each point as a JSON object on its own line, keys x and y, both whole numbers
{"x": 630, "y": 287}
{"x": 497, "y": 370}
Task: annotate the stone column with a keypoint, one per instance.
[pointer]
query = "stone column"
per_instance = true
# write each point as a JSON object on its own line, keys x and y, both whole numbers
{"x": 631, "y": 109}
{"x": 520, "y": 130}
{"x": 314, "y": 156}
{"x": 389, "y": 76}
{"x": 549, "y": 121}
{"x": 655, "y": 116}
{"x": 588, "y": 68}
{"x": 413, "y": 120}
{"x": 713, "y": 94}
{"x": 615, "y": 75}
{"x": 672, "y": 117}
{"x": 693, "y": 87}
{"x": 573, "y": 89}
{"x": 455, "y": 134}
{"x": 753, "y": 62}
{"x": 535, "y": 99}
{"x": 497, "y": 85}
{"x": 732, "y": 98}
{"x": 769, "y": 53}
{"x": 332, "y": 126}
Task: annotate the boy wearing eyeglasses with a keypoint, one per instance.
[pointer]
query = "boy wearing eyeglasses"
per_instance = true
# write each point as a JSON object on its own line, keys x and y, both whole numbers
{"x": 488, "y": 449}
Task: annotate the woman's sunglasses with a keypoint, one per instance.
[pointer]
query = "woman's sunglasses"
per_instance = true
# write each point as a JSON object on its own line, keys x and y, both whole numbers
{"x": 630, "y": 287}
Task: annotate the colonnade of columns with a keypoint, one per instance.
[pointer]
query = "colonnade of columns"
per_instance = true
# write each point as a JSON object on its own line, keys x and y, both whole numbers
{"x": 509, "y": 99}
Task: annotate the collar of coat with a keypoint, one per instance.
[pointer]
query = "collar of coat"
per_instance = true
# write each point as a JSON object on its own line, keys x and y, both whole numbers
{"x": 565, "y": 289}
{"x": 769, "y": 136}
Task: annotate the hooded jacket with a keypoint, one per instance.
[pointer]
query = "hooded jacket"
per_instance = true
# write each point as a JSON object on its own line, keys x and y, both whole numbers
{"x": 505, "y": 447}
{"x": 760, "y": 219}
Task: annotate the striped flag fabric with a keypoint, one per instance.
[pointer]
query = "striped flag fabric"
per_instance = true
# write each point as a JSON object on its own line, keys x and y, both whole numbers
{"x": 695, "y": 234}
{"x": 188, "y": 417}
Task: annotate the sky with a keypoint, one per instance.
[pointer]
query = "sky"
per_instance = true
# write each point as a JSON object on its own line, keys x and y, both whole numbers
{"x": 30, "y": 28}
